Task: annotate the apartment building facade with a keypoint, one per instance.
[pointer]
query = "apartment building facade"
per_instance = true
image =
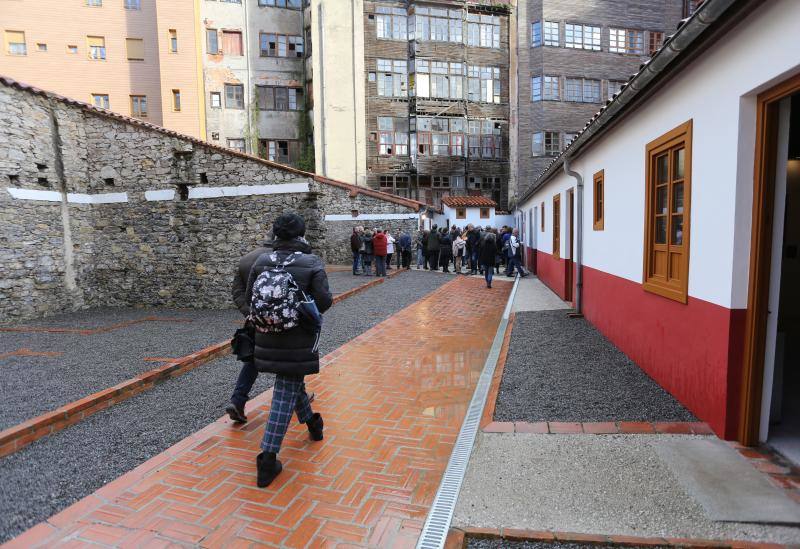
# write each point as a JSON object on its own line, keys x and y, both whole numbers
{"x": 135, "y": 57}
{"x": 573, "y": 57}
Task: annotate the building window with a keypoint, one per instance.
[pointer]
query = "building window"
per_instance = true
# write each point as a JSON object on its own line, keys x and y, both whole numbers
{"x": 626, "y": 41}
{"x": 94, "y": 3}
{"x": 537, "y": 144}
{"x": 536, "y": 34}
{"x": 100, "y": 100}
{"x": 551, "y": 33}
{"x": 438, "y": 25}
{"x": 485, "y": 213}
{"x": 551, "y": 88}
{"x": 216, "y": 100}
{"x": 212, "y": 41}
{"x": 391, "y": 23}
{"x": 582, "y": 90}
{"x": 232, "y": 43}
{"x": 41, "y": 46}
{"x": 97, "y": 47}
{"x": 173, "y": 41}
{"x": 133, "y": 4}
{"x": 461, "y": 213}
{"x": 557, "y": 226}
{"x": 283, "y": 151}
{"x": 654, "y": 42}
{"x": 294, "y": 4}
{"x": 392, "y": 136}
{"x": 536, "y": 88}
{"x": 236, "y": 144}
{"x": 614, "y": 86}
{"x": 278, "y": 98}
{"x": 585, "y": 37}
{"x": 392, "y": 77}
{"x": 135, "y": 49}
{"x": 546, "y": 144}
{"x": 483, "y": 30}
{"x": 234, "y": 96}
{"x": 666, "y": 240}
{"x": 439, "y": 79}
{"x": 15, "y": 42}
{"x": 598, "y": 201}
{"x": 485, "y": 139}
{"x": 395, "y": 184}
{"x": 483, "y": 84}
{"x": 72, "y": 49}
{"x": 568, "y": 138}
{"x": 139, "y": 106}
{"x": 541, "y": 209}
{"x": 280, "y": 45}
{"x": 176, "y": 100}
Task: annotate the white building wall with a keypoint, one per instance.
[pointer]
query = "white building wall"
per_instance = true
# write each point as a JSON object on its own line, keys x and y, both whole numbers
{"x": 717, "y": 91}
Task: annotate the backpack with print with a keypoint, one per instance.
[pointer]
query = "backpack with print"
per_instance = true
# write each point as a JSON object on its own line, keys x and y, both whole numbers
{"x": 276, "y": 298}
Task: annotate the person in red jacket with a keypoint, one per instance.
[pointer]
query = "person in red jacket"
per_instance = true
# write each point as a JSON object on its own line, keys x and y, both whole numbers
{"x": 379, "y": 247}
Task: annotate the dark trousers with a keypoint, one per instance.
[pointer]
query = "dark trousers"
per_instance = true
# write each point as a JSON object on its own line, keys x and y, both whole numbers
{"x": 473, "y": 261}
{"x": 445, "y": 261}
{"x": 433, "y": 259}
{"x": 514, "y": 263}
{"x": 356, "y": 261}
{"x": 389, "y": 260}
{"x": 247, "y": 377}
{"x": 406, "y": 259}
{"x": 380, "y": 265}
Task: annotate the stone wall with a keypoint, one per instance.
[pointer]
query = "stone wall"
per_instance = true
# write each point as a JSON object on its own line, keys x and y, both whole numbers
{"x": 100, "y": 210}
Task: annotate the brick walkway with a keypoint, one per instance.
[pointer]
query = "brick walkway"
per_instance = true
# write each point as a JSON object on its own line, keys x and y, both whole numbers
{"x": 393, "y": 401}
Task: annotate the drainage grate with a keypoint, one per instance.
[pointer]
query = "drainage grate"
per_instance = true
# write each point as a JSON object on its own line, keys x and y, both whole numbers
{"x": 437, "y": 524}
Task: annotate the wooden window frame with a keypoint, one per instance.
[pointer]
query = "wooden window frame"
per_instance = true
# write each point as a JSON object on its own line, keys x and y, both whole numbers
{"x": 557, "y": 226}
{"x": 137, "y": 99}
{"x": 461, "y": 212}
{"x": 681, "y": 136}
{"x": 487, "y": 213}
{"x": 598, "y": 208}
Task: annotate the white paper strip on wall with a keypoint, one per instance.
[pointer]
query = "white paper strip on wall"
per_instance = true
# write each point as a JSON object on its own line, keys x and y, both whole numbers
{"x": 162, "y": 194}
{"x": 34, "y": 194}
{"x": 370, "y": 217}
{"x": 104, "y": 198}
{"x": 248, "y": 190}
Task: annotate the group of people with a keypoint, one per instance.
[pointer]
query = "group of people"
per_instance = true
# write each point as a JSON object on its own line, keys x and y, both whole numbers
{"x": 474, "y": 248}
{"x": 378, "y": 246}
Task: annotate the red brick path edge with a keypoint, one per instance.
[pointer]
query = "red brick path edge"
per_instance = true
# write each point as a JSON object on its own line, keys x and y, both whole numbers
{"x": 600, "y": 428}
{"x": 17, "y": 437}
{"x": 456, "y": 539}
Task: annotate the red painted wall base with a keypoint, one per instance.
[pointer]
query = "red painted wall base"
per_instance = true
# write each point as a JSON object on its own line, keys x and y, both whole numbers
{"x": 551, "y": 271}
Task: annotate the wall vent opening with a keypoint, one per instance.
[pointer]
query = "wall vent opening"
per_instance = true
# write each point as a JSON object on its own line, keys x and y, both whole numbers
{"x": 13, "y": 178}
{"x": 183, "y": 191}
{"x": 43, "y": 182}
{"x": 109, "y": 181}
{"x": 41, "y": 167}
{"x": 203, "y": 177}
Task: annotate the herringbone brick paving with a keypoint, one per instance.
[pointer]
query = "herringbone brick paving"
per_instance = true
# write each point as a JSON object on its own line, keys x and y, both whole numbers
{"x": 393, "y": 400}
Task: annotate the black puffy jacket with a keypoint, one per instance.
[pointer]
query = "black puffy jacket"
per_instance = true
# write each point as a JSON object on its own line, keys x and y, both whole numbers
{"x": 292, "y": 352}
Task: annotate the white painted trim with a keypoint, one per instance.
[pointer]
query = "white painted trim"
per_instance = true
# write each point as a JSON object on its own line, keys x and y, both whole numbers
{"x": 104, "y": 198}
{"x": 34, "y": 194}
{"x": 161, "y": 194}
{"x": 248, "y": 190}
{"x": 370, "y": 217}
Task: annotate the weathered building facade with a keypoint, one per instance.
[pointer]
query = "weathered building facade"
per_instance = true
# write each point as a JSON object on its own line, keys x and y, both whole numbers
{"x": 573, "y": 57}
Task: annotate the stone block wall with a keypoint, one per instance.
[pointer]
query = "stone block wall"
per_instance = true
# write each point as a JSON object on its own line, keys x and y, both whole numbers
{"x": 100, "y": 210}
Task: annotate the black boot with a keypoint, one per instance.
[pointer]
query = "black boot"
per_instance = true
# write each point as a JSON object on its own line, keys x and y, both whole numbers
{"x": 268, "y": 468}
{"x": 315, "y": 427}
{"x": 236, "y": 413}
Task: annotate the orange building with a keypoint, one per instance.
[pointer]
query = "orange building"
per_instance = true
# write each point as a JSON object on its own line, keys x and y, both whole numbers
{"x": 135, "y": 57}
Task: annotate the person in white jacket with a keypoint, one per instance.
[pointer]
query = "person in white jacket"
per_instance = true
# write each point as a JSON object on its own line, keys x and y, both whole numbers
{"x": 390, "y": 240}
{"x": 459, "y": 249}
{"x": 515, "y": 255}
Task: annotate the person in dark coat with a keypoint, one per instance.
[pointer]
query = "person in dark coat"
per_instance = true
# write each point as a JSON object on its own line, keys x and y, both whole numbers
{"x": 355, "y": 246}
{"x": 433, "y": 248}
{"x": 404, "y": 243}
{"x": 473, "y": 238}
{"x": 445, "y": 250}
{"x": 366, "y": 254}
{"x": 487, "y": 256}
{"x": 291, "y": 354}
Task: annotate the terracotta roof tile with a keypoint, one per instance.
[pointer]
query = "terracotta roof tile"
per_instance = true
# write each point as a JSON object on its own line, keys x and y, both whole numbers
{"x": 469, "y": 201}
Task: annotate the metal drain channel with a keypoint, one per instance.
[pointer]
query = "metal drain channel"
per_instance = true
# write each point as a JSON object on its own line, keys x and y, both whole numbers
{"x": 434, "y": 533}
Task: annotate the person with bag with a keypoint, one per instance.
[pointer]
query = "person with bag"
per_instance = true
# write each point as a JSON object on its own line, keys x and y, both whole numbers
{"x": 459, "y": 246}
{"x": 487, "y": 256}
{"x": 366, "y": 253}
{"x": 287, "y": 289}
{"x": 379, "y": 247}
{"x": 404, "y": 242}
{"x": 433, "y": 247}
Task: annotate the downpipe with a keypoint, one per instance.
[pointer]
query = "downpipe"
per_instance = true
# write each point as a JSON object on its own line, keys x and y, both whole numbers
{"x": 579, "y": 243}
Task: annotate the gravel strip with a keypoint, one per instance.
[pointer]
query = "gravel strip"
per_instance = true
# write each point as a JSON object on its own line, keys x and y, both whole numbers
{"x": 342, "y": 281}
{"x": 505, "y": 544}
{"x": 563, "y": 369}
{"x": 58, "y": 470}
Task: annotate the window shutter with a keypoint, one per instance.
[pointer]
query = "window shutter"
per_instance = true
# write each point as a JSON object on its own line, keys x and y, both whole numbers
{"x": 135, "y": 48}
{"x": 15, "y": 37}
{"x": 98, "y": 41}
{"x": 232, "y": 43}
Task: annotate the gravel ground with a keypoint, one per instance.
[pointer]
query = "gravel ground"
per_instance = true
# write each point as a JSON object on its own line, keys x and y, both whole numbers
{"x": 504, "y": 544}
{"x": 563, "y": 369}
{"x": 56, "y": 471}
{"x": 341, "y": 281}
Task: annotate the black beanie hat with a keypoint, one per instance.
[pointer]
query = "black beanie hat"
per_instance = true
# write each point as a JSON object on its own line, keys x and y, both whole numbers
{"x": 288, "y": 226}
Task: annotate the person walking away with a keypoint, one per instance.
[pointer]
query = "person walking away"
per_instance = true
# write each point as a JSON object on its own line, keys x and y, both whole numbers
{"x": 515, "y": 255}
{"x": 366, "y": 257}
{"x": 278, "y": 281}
{"x": 420, "y": 241}
{"x": 487, "y": 257}
{"x": 356, "y": 246}
{"x": 459, "y": 247}
{"x": 473, "y": 242}
{"x": 505, "y": 235}
{"x": 433, "y": 248}
{"x": 446, "y": 250}
{"x": 379, "y": 247}
{"x": 499, "y": 257}
{"x": 404, "y": 242}
{"x": 390, "y": 240}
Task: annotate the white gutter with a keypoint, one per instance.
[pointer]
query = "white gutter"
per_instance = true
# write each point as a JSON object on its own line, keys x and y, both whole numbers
{"x": 579, "y": 231}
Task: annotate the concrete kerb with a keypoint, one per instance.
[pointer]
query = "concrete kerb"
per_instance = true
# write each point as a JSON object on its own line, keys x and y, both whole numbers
{"x": 457, "y": 538}
{"x": 599, "y": 427}
{"x": 21, "y": 435}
